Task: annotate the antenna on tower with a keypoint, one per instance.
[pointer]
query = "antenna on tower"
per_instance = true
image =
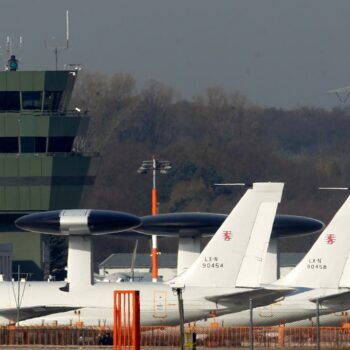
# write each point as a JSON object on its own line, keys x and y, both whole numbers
{"x": 56, "y": 49}
{"x": 8, "y": 47}
{"x": 67, "y": 29}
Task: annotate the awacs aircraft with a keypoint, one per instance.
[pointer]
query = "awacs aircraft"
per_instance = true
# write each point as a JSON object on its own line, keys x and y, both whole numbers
{"x": 214, "y": 283}
{"x": 324, "y": 274}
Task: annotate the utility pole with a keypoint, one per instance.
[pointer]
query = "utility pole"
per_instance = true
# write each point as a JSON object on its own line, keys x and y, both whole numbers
{"x": 251, "y": 325}
{"x": 318, "y": 335}
{"x": 181, "y": 317}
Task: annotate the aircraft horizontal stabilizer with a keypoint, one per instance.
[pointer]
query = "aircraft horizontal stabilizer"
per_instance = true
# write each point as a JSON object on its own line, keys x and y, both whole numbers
{"x": 260, "y": 297}
{"x": 33, "y": 311}
{"x": 337, "y": 300}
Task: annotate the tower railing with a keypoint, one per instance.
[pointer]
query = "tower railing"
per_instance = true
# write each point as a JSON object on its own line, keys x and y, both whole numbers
{"x": 46, "y": 113}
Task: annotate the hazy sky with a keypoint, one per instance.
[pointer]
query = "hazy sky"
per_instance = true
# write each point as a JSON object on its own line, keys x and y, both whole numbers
{"x": 277, "y": 53}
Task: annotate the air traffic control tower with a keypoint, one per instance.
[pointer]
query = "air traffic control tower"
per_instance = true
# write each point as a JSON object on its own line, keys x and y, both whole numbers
{"x": 39, "y": 166}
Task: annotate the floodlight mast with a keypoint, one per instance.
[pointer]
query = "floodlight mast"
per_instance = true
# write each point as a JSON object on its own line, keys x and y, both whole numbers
{"x": 163, "y": 166}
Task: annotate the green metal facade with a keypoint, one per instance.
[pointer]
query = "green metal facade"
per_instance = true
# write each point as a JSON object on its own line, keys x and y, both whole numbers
{"x": 31, "y": 182}
{"x": 38, "y": 81}
{"x": 31, "y": 124}
{"x": 40, "y": 169}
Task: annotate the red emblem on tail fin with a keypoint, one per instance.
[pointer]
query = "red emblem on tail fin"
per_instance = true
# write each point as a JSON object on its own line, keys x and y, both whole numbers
{"x": 227, "y": 235}
{"x": 330, "y": 238}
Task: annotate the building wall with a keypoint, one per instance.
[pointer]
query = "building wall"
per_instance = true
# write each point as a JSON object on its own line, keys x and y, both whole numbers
{"x": 6, "y": 261}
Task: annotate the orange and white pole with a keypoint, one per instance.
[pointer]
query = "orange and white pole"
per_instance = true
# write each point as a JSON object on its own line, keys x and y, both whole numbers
{"x": 154, "y": 237}
{"x": 154, "y": 201}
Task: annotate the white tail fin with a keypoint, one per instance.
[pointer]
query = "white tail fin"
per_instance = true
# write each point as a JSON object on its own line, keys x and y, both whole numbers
{"x": 345, "y": 278}
{"x": 253, "y": 266}
{"x": 270, "y": 268}
{"x": 227, "y": 253}
{"x": 323, "y": 265}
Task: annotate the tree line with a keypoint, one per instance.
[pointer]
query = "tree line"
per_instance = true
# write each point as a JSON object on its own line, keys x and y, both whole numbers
{"x": 216, "y": 136}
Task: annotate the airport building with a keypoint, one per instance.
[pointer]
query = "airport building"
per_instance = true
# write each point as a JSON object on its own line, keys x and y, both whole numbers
{"x": 40, "y": 166}
{"x": 118, "y": 267}
{"x": 121, "y": 265}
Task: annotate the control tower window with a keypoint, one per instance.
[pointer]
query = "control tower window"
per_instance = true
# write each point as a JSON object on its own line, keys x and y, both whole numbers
{"x": 31, "y": 99}
{"x": 61, "y": 144}
{"x": 52, "y": 100}
{"x": 8, "y": 145}
{"x": 9, "y": 101}
{"x": 33, "y": 144}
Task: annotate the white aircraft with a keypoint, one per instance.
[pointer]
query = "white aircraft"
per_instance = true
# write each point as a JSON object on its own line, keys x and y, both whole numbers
{"x": 222, "y": 280}
{"x": 323, "y": 274}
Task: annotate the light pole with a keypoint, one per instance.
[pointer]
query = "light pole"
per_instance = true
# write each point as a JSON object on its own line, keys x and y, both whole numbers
{"x": 163, "y": 166}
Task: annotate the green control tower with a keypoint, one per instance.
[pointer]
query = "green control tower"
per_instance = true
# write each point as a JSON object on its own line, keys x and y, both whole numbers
{"x": 40, "y": 166}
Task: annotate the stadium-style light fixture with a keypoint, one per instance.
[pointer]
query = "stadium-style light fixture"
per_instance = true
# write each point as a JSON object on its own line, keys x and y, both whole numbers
{"x": 163, "y": 167}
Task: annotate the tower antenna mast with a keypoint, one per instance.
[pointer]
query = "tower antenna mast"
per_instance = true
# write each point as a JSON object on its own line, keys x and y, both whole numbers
{"x": 56, "y": 49}
{"x": 8, "y": 47}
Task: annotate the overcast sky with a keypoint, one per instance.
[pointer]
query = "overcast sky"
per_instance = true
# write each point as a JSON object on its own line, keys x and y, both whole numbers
{"x": 277, "y": 53}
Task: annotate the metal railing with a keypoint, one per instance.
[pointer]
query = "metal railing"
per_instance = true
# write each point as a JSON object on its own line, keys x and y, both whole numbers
{"x": 45, "y": 113}
{"x": 52, "y": 154}
{"x": 205, "y": 337}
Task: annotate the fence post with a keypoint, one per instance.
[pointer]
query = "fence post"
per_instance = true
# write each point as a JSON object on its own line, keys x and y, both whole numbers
{"x": 194, "y": 340}
{"x": 281, "y": 330}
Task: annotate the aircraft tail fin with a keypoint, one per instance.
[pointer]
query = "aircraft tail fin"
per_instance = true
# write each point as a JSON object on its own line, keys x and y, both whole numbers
{"x": 239, "y": 245}
{"x": 323, "y": 265}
